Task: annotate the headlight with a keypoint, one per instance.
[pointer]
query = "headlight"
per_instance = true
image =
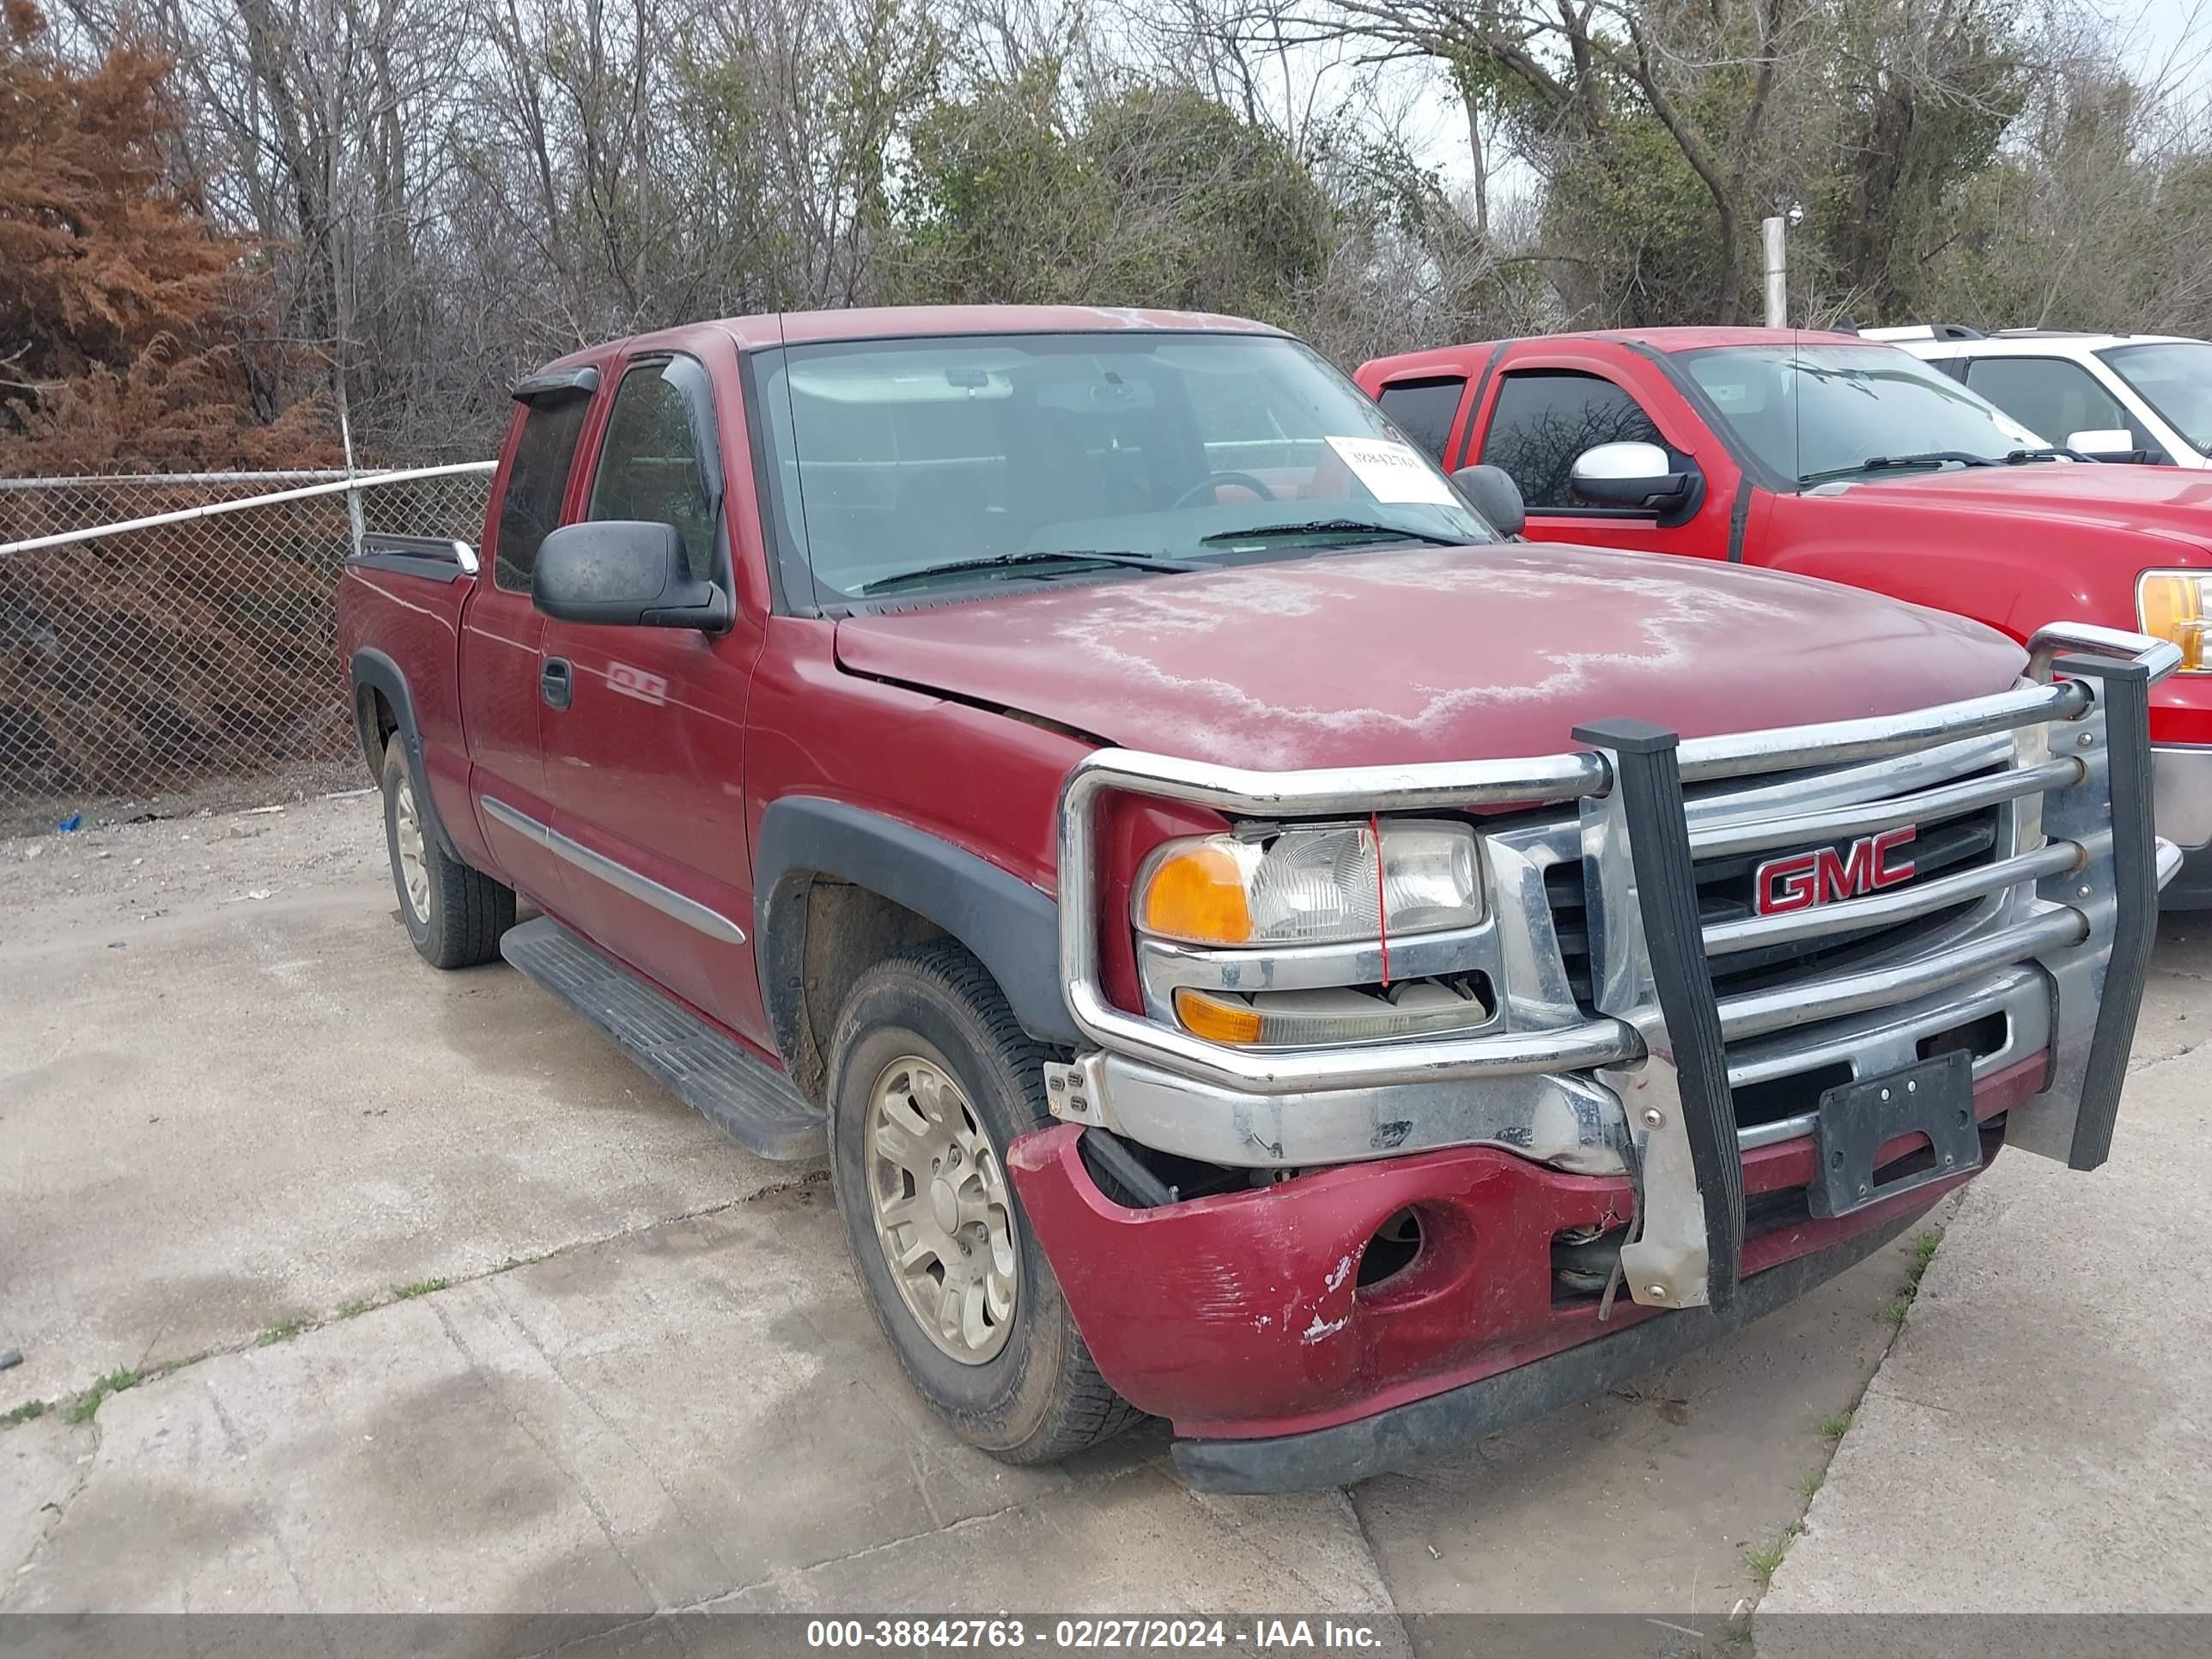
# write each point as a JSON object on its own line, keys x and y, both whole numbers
{"x": 1311, "y": 885}
{"x": 2173, "y": 604}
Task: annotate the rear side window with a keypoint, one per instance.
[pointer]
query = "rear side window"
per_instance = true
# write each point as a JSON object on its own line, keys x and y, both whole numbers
{"x": 653, "y": 464}
{"x": 1422, "y": 409}
{"x": 530, "y": 508}
{"x": 1547, "y": 417}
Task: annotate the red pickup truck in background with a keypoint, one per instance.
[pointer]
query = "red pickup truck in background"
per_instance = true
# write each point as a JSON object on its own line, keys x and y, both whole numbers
{"x": 1256, "y": 949}
{"x": 1834, "y": 456}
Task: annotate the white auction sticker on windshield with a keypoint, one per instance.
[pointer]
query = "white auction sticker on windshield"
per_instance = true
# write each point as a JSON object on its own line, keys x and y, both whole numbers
{"x": 1394, "y": 471}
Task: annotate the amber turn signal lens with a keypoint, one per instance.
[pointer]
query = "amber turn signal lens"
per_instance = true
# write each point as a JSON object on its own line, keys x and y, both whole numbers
{"x": 1218, "y": 1020}
{"x": 2170, "y": 605}
{"x": 1197, "y": 892}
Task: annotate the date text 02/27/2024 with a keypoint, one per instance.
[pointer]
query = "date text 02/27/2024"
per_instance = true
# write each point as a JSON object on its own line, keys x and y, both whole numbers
{"x": 1088, "y": 1634}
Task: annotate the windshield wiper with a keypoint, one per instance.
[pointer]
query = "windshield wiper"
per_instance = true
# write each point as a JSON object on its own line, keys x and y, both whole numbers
{"x": 2046, "y": 452}
{"x": 1883, "y": 463}
{"x": 1009, "y": 561}
{"x": 1331, "y": 528}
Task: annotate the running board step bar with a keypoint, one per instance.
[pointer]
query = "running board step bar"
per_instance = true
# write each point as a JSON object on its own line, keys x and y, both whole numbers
{"x": 743, "y": 1097}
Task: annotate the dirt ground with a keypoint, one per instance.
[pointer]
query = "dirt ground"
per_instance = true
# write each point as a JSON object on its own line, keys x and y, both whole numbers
{"x": 32, "y": 815}
{"x": 349, "y": 1285}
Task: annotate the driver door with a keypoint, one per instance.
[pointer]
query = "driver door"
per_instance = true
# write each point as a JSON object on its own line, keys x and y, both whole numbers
{"x": 644, "y": 728}
{"x": 1540, "y": 416}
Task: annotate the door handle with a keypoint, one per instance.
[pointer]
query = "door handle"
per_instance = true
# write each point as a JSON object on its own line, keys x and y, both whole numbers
{"x": 557, "y": 681}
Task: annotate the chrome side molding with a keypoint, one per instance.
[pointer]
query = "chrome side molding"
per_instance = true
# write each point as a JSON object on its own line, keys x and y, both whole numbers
{"x": 677, "y": 906}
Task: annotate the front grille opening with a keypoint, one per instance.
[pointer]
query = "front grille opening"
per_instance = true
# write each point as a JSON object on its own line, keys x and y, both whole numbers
{"x": 1820, "y": 958}
{"x": 1726, "y": 893}
{"x": 1787, "y": 1096}
{"x": 1981, "y": 1037}
{"x": 1396, "y": 1247}
{"x": 1563, "y": 890}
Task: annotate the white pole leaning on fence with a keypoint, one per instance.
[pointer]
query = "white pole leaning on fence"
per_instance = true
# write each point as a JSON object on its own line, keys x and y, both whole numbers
{"x": 355, "y": 523}
{"x": 1773, "y": 234}
{"x": 208, "y": 510}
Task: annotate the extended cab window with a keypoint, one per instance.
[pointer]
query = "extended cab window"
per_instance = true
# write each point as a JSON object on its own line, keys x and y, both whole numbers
{"x": 2053, "y": 397}
{"x": 897, "y": 466}
{"x": 530, "y": 509}
{"x": 1423, "y": 409}
{"x": 653, "y": 463}
{"x": 1545, "y": 417}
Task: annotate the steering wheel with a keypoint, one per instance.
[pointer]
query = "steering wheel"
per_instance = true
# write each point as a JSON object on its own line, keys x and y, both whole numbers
{"x": 1213, "y": 481}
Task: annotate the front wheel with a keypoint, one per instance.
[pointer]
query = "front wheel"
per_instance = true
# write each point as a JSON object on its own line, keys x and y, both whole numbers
{"x": 453, "y": 914}
{"x": 930, "y": 1080}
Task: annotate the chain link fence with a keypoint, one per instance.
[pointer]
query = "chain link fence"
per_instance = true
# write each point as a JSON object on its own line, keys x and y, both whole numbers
{"x": 159, "y": 657}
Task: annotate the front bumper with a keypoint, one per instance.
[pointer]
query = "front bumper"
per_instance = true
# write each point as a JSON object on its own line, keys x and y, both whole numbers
{"x": 2183, "y": 793}
{"x": 1241, "y": 1318}
{"x": 1570, "y": 1120}
{"x": 1402, "y": 1436}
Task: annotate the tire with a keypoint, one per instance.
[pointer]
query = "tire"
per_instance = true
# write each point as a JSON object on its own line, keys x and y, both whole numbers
{"x": 454, "y": 914}
{"x": 1027, "y": 1390}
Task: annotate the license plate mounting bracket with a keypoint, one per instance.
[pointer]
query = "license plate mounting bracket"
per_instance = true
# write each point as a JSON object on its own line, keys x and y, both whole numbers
{"x": 1933, "y": 1098}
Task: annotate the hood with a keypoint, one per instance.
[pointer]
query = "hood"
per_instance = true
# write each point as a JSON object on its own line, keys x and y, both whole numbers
{"x": 2169, "y": 500}
{"x": 1442, "y": 653}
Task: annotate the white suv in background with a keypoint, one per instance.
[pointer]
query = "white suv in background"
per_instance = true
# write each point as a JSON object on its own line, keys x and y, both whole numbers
{"x": 2112, "y": 396}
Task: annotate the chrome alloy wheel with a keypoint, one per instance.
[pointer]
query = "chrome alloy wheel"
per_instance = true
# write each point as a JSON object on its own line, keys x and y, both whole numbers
{"x": 414, "y": 859}
{"x": 943, "y": 1213}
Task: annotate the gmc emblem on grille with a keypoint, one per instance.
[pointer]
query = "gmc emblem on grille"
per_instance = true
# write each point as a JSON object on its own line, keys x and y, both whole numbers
{"x": 1805, "y": 879}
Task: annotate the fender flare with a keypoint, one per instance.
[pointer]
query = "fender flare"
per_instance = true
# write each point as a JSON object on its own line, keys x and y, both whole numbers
{"x": 1011, "y": 927}
{"x": 372, "y": 670}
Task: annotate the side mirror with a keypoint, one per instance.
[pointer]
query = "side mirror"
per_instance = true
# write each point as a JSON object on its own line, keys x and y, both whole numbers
{"x": 2113, "y": 443}
{"x": 1636, "y": 475}
{"x": 624, "y": 572}
{"x": 1490, "y": 491}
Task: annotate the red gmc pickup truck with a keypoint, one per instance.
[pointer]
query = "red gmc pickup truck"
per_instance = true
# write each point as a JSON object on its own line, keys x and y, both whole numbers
{"x": 1835, "y": 456}
{"x": 1257, "y": 949}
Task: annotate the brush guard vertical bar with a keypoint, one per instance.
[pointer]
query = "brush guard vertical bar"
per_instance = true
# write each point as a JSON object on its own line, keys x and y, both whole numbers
{"x": 1685, "y": 1245}
{"x": 2101, "y": 981}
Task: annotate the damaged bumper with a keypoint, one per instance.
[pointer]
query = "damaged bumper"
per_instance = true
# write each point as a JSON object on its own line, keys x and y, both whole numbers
{"x": 1253, "y": 1321}
{"x": 1658, "y": 1066}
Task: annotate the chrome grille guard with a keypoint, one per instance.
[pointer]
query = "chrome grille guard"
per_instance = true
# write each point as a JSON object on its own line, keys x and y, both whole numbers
{"x": 2081, "y": 752}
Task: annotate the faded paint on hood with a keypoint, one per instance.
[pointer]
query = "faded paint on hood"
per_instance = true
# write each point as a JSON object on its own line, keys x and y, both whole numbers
{"x": 1442, "y": 653}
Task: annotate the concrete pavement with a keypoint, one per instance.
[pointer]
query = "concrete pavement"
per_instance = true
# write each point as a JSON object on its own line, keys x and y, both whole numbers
{"x": 2036, "y": 1440}
{"x": 233, "y": 1098}
{"x": 701, "y": 1414}
{"x": 237, "y": 1119}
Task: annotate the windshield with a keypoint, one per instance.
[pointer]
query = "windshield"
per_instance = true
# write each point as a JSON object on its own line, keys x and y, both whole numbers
{"x": 1824, "y": 411}
{"x": 1010, "y": 456}
{"x": 2174, "y": 377}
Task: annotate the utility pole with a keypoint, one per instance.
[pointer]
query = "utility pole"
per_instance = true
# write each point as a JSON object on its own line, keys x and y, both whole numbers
{"x": 1772, "y": 233}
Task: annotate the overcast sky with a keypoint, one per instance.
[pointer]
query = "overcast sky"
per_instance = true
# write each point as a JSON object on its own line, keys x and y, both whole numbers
{"x": 2166, "y": 39}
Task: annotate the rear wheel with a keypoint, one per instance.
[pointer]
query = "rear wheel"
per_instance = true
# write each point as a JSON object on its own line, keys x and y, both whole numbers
{"x": 930, "y": 1080}
{"x": 453, "y": 914}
